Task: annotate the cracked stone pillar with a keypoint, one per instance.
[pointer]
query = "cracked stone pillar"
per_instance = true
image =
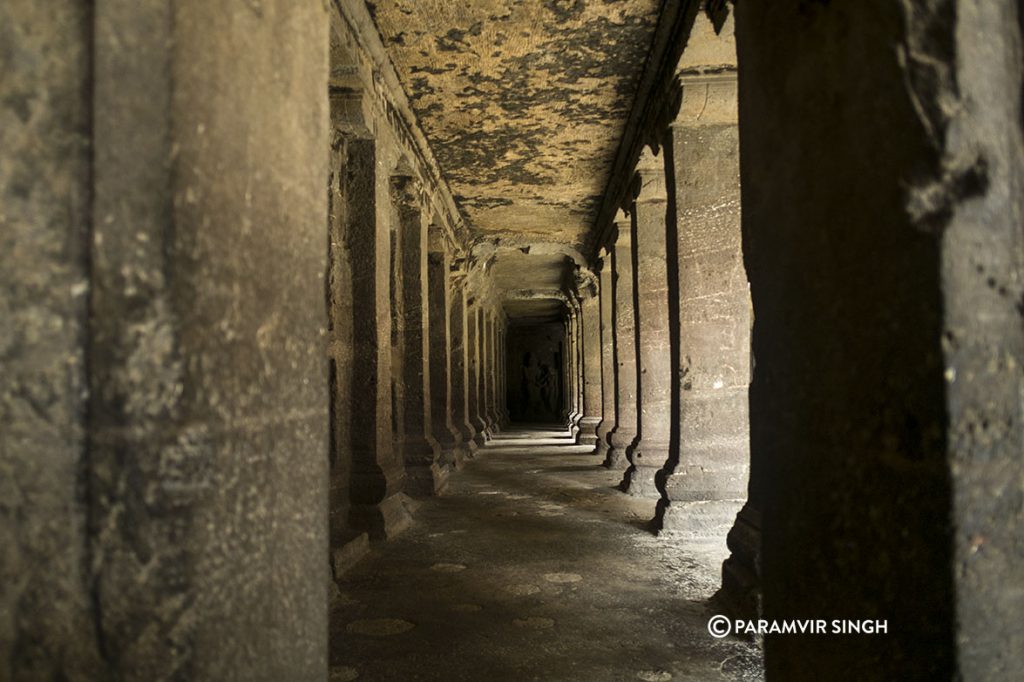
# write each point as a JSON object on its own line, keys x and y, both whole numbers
{"x": 706, "y": 485}
{"x": 590, "y": 353}
{"x": 420, "y": 451}
{"x": 378, "y": 474}
{"x": 442, "y": 410}
{"x": 475, "y": 380}
{"x": 626, "y": 396}
{"x": 460, "y": 365}
{"x": 650, "y": 452}
{"x": 607, "y": 340}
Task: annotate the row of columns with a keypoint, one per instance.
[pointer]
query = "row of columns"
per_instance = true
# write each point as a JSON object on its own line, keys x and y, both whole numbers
{"x": 659, "y": 355}
{"x": 417, "y": 376}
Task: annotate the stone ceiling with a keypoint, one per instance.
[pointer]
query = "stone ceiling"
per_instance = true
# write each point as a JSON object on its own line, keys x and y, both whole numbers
{"x": 523, "y": 101}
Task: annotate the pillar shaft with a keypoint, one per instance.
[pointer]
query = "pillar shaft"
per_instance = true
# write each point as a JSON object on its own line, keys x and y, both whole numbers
{"x": 377, "y": 474}
{"x": 651, "y": 450}
{"x": 420, "y": 451}
{"x": 494, "y": 418}
{"x": 707, "y": 482}
{"x": 460, "y": 367}
{"x": 626, "y": 396}
{"x": 590, "y": 354}
{"x": 607, "y": 341}
{"x": 440, "y": 366}
{"x": 475, "y": 371}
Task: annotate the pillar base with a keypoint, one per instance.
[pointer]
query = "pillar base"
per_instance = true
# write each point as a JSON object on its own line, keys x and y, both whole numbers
{"x": 697, "y": 519}
{"x": 740, "y": 594}
{"x": 383, "y": 520}
{"x": 426, "y": 480}
{"x": 602, "y": 449}
{"x": 454, "y": 457}
{"x": 588, "y": 431}
{"x": 482, "y": 436}
{"x": 619, "y": 442}
{"x": 348, "y": 554}
{"x": 647, "y": 461}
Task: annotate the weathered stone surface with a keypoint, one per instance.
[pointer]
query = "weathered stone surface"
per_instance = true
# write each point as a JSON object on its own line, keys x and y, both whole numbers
{"x": 377, "y": 470}
{"x": 885, "y": 267}
{"x": 476, "y": 385}
{"x": 590, "y": 351}
{"x": 655, "y": 381}
{"x": 709, "y": 462}
{"x": 492, "y": 83}
{"x": 421, "y": 452}
{"x": 625, "y": 348}
{"x": 207, "y": 474}
{"x": 607, "y": 340}
{"x": 47, "y": 626}
{"x": 440, "y": 365}
{"x": 461, "y": 367}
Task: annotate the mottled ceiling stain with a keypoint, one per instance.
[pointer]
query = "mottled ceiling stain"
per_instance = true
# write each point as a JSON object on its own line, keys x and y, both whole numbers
{"x": 524, "y": 101}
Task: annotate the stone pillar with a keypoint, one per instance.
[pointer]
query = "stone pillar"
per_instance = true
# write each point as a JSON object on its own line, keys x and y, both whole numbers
{"x": 442, "y": 424}
{"x": 506, "y": 418}
{"x": 707, "y": 482}
{"x": 377, "y": 473}
{"x": 887, "y": 273}
{"x": 493, "y": 416}
{"x": 607, "y": 341}
{"x": 461, "y": 365}
{"x": 486, "y": 378}
{"x": 626, "y": 381}
{"x": 475, "y": 374}
{"x": 347, "y": 544}
{"x": 420, "y": 450}
{"x": 650, "y": 452}
{"x": 201, "y": 500}
{"x": 590, "y": 353}
{"x": 575, "y": 369}
{"x": 567, "y": 370}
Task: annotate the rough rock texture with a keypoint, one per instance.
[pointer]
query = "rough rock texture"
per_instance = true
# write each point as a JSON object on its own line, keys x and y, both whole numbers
{"x": 460, "y": 366}
{"x": 493, "y": 83}
{"x": 625, "y": 348}
{"x": 47, "y": 630}
{"x": 885, "y": 265}
{"x": 982, "y": 275}
{"x": 424, "y": 474}
{"x": 707, "y": 478}
{"x": 593, "y": 405}
{"x": 655, "y": 364}
{"x": 606, "y": 340}
{"x": 208, "y": 415}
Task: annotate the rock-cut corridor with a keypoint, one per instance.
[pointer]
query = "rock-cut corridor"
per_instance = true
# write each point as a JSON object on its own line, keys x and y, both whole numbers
{"x": 534, "y": 567}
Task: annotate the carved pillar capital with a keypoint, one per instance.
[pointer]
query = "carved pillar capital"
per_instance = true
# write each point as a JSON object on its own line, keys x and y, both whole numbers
{"x": 650, "y": 171}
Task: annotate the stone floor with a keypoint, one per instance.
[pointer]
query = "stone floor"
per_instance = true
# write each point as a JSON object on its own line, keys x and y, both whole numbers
{"x": 533, "y": 567}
